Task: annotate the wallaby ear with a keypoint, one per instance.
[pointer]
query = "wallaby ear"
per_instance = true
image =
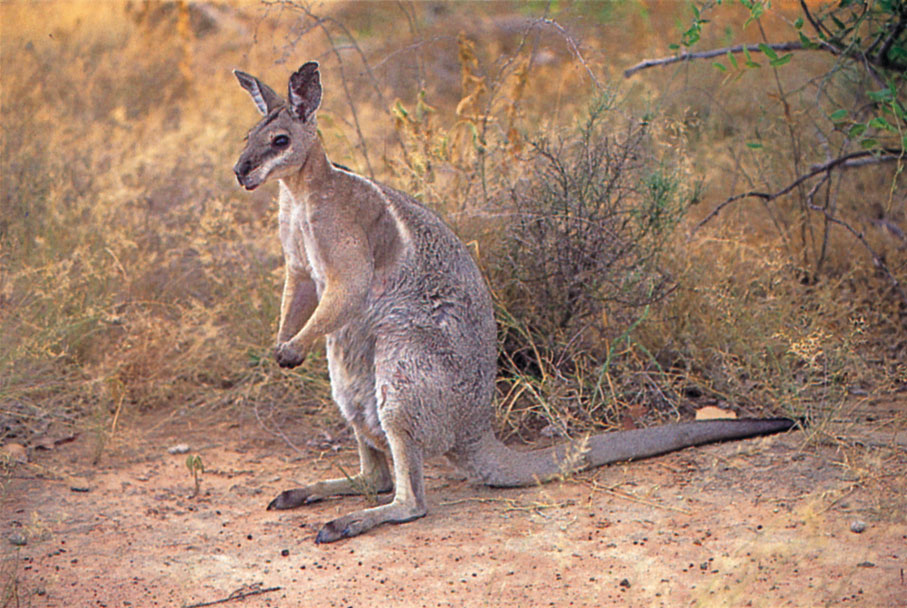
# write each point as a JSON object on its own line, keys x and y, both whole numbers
{"x": 264, "y": 96}
{"x": 305, "y": 91}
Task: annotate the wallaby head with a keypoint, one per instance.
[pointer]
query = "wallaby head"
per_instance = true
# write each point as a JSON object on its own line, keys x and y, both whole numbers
{"x": 279, "y": 144}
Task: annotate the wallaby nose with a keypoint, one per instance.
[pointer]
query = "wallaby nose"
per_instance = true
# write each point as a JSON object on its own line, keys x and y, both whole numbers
{"x": 241, "y": 169}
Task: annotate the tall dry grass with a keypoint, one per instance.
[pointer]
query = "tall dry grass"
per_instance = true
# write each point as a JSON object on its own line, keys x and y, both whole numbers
{"x": 135, "y": 275}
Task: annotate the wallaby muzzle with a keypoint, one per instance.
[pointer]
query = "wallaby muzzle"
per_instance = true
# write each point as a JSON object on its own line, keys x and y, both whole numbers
{"x": 242, "y": 169}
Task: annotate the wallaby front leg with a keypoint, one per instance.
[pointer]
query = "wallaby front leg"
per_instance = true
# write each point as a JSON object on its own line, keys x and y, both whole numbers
{"x": 297, "y": 304}
{"x": 374, "y": 477}
{"x": 348, "y": 268}
{"x": 409, "y": 498}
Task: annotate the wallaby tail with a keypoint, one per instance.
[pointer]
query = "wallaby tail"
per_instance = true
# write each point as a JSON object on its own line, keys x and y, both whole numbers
{"x": 494, "y": 464}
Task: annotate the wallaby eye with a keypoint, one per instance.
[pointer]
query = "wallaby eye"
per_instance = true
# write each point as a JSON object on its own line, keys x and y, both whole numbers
{"x": 281, "y": 141}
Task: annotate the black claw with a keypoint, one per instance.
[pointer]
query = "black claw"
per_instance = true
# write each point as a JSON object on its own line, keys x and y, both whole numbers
{"x": 322, "y": 537}
{"x": 328, "y": 533}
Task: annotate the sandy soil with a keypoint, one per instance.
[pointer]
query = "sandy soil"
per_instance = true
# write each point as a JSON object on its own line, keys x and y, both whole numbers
{"x": 764, "y": 522}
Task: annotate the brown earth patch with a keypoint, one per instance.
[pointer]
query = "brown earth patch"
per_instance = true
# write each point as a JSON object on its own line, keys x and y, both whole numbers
{"x": 765, "y": 522}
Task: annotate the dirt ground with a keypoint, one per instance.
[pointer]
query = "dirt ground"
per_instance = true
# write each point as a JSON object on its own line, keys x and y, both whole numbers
{"x": 766, "y": 522}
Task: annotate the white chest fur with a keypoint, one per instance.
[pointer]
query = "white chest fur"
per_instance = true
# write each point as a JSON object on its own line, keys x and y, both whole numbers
{"x": 300, "y": 247}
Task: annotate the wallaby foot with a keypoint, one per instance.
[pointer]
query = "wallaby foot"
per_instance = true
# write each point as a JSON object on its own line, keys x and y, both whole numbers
{"x": 409, "y": 497}
{"x": 374, "y": 477}
{"x": 357, "y": 484}
{"x": 354, "y": 524}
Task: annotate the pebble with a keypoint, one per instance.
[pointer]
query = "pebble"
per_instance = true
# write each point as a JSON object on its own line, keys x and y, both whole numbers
{"x": 180, "y": 448}
{"x": 17, "y": 539}
{"x": 857, "y": 526}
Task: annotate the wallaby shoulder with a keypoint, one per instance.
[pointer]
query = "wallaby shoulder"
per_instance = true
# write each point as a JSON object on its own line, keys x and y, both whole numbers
{"x": 398, "y": 223}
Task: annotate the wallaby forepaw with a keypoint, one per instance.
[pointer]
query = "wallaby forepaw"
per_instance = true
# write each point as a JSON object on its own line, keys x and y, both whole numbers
{"x": 288, "y": 356}
{"x": 290, "y": 499}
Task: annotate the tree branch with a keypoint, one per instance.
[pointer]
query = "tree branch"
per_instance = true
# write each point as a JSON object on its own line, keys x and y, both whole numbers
{"x": 879, "y": 60}
{"x": 881, "y": 57}
{"x": 795, "y": 45}
{"x": 817, "y": 26}
{"x": 853, "y": 159}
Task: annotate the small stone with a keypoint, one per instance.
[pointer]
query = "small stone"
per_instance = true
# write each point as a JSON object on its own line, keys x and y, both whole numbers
{"x": 17, "y": 539}
{"x": 866, "y": 565}
{"x": 625, "y": 583}
{"x": 180, "y": 448}
{"x": 857, "y": 526}
{"x": 285, "y": 552}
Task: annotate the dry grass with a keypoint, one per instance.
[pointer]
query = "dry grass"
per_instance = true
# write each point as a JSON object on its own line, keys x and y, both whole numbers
{"x": 135, "y": 275}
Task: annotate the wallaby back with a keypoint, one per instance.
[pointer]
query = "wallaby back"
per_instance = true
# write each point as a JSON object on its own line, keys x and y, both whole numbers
{"x": 408, "y": 324}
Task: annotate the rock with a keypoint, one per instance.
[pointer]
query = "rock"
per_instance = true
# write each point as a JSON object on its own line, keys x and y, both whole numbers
{"x": 180, "y": 448}
{"x": 857, "y": 526}
{"x": 18, "y": 539}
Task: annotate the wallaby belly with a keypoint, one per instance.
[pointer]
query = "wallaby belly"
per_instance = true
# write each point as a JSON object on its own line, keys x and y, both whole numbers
{"x": 426, "y": 334}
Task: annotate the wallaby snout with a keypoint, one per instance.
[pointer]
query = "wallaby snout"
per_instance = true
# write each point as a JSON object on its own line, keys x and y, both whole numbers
{"x": 241, "y": 170}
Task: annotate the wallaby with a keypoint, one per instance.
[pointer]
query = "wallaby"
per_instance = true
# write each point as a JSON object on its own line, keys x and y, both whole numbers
{"x": 409, "y": 327}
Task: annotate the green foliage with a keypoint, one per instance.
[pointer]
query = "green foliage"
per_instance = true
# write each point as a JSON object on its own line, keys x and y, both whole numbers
{"x": 858, "y": 103}
{"x": 868, "y": 37}
{"x": 196, "y": 468}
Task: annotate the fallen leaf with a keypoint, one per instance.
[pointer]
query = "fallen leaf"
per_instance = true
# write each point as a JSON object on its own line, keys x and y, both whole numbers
{"x": 14, "y": 452}
{"x": 710, "y": 412}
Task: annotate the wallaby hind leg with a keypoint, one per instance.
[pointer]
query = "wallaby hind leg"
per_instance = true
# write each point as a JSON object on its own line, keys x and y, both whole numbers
{"x": 409, "y": 498}
{"x": 374, "y": 476}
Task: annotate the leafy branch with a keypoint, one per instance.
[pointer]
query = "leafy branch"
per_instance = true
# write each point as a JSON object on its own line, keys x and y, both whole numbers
{"x": 891, "y": 54}
{"x": 869, "y": 41}
{"x": 736, "y": 49}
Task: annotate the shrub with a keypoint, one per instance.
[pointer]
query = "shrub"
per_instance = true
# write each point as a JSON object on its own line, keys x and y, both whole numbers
{"x": 580, "y": 261}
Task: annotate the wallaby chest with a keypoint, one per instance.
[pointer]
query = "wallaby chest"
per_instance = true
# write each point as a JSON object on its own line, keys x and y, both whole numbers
{"x": 298, "y": 222}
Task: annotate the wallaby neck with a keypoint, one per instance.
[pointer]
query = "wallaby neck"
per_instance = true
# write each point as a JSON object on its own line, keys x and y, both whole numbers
{"x": 314, "y": 175}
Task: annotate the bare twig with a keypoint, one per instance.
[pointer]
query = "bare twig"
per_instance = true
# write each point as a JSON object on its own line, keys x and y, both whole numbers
{"x": 866, "y": 156}
{"x": 820, "y": 29}
{"x": 868, "y": 160}
{"x": 846, "y": 160}
{"x": 650, "y": 503}
{"x": 876, "y": 258}
{"x": 241, "y": 593}
{"x": 276, "y": 432}
{"x": 877, "y": 60}
{"x": 512, "y": 504}
{"x": 574, "y": 48}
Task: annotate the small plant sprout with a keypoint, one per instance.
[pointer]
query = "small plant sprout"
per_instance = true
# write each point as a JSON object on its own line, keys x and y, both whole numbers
{"x": 196, "y": 467}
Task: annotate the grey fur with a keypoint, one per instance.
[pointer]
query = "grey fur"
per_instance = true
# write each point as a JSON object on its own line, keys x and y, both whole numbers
{"x": 409, "y": 328}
